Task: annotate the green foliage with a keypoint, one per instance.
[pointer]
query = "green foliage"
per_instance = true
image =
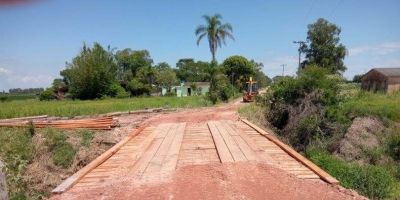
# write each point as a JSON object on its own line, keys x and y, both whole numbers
{"x": 47, "y": 95}
{"x": 86, "y": 137}
{"x": 3, "y": 98}
{"x": 16, "y": 150}
{"x": 383, "y": 106}
{"x": 71, "y": 108}
{"x": 220, "y": 89}
{"x": 137, "y": 88}
{"x": 312, "y": 79}
{"x": 54, "y": 138}
{"x": 324, "y": 49}
{"x": 63, "y": 152}
{"x": 215, "y": 32}
{"x": 393, "y": 146}
{"x": 372, "y": 181}
{"x": 357, "y": 78}
{"x": 166, "y": 78}
{"x": 240, "y": 68}
{"x": 116, "y": 90}
{"x": 63, "y": 155}
{"x": 190, "y": 71}
{"x": 91, "y": 73}
{"x": 130, "y": 61}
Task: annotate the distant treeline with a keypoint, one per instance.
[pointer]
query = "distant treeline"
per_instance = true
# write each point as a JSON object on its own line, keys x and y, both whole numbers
{"x": 24, "y": 91}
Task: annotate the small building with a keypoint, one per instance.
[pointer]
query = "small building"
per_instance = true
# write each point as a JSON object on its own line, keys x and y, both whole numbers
{"x": 189, "y": 89}
{"x": 381, "y": 79}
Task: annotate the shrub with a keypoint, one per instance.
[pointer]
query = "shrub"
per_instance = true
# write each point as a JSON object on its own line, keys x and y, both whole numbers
{"x": 137, "y": 88}
{"x": 116, "y": 90}
{"x": 3, "y": 98}
{"x": 63, "y": 155}
{"x": 47, "y": 95}
{"x": 372, "y": 181}
{"x": 220, "y": 89}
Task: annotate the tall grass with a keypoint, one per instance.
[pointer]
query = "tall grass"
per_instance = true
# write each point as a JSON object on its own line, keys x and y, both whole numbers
{"x": 372, "y": 181}
{"x": 77, "y": 107}
{"x": 384, "y": 106}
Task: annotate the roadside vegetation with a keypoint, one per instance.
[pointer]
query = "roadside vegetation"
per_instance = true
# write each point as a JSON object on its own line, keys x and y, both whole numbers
{"x": 37, "y": 160}
{"x": 352, "y": 134}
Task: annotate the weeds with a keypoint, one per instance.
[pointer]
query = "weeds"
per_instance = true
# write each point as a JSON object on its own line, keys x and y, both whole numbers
{"x": 63, "y": 153}
{"x": 86, "y": 137}
{"x": 374, "y": 182}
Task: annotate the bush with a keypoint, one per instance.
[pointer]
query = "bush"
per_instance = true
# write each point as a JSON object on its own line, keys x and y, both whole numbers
{"x": 116, "y": 90}
{"x": 220, "y": 89}
{"x": 47, "y": 95}
{"x": 372, "y": 181}
{"x": 3, "y": 98}
{"x": 137, "y": 88}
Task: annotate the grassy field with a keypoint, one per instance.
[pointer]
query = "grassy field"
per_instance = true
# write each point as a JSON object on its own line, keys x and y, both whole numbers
{"x": 384, "y": 106}
{"x": 10, "y": 109}
{"x": 11, "y": 97}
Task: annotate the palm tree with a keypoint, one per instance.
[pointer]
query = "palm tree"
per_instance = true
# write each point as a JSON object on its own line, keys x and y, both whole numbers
{"x": 215, "y": 31}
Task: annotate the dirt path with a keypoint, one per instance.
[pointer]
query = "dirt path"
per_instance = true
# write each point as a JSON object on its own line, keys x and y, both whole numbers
{"x": 193, "y": 169}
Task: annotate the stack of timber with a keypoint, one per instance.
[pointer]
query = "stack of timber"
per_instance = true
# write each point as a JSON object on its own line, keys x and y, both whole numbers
{"x": 103, "y": 123}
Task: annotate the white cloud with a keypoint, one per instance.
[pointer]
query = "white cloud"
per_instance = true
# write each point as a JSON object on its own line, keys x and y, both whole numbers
{"x": 380, "y": 49}
{"x": 3, "y": 71}
{"x": 11, "y": 79}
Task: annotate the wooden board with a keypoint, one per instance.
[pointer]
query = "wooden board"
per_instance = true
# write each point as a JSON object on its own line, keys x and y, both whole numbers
{"x": 222, "y": 149}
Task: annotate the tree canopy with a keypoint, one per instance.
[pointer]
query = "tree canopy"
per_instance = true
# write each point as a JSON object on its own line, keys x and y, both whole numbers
{"x": 324, "y": 49}
{"x": 91, "y": 73}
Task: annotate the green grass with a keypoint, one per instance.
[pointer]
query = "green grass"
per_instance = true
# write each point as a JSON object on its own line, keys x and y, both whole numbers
{"x": 86, "y": 137}
{"x": 63, "y": 153}
{"x": 384, "y": 106}
{"x": 11, "y": 97}
{"x": 16, "y": 150}
{"x": 372, "y": 181}
{"x": 73, "y": 108}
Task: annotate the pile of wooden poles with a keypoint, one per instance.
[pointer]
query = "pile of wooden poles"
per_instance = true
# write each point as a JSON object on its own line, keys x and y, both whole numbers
{"x": 103, "y": 123}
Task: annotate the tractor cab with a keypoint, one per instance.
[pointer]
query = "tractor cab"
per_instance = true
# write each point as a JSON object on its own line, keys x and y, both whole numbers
{"x": 250, "y": 90}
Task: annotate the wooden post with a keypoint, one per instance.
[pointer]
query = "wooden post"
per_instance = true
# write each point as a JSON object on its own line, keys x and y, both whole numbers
{"x": 3, "y": 183}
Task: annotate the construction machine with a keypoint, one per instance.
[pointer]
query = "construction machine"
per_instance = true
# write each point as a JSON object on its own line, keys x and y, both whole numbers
{"x": 250, "y": 90}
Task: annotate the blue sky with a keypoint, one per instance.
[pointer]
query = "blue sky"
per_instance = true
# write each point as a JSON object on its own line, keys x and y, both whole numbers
{"x": 37, "y": 38}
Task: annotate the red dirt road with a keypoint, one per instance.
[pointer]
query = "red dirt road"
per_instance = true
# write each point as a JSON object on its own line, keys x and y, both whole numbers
{"x": 240, "y": 180}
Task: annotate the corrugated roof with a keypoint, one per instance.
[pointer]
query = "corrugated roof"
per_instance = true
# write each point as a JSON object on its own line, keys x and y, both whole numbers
{"x": 390, "y": 72}
{"x": 198, "y": 84}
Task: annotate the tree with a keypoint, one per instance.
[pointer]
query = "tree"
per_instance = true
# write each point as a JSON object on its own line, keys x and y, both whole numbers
{"x": 189, "y": 70}
{"x": 239, "y": 69}
{"x": 324, "y": 50}
{"x": 357, "y": 78}
{"x": 91, "y": 73}
{"x": 130, "y": 61}
{"x": 215, "y": 31}
{"x": 166, "y": 78}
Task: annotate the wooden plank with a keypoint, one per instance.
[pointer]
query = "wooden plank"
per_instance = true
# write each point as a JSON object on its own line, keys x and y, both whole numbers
{"x": 69, "y": 182}
{"x": 171, "y": 158}
{"x": 222, "y": 150}
{"x": 243, "y": 145}
{"x": 318, "y": 171}
{"x": 233, "y": 147}
{"x": 158, "y": 159}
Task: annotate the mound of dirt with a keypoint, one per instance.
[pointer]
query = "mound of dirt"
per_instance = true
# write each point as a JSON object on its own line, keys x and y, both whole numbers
{"x": 363, "y": 135}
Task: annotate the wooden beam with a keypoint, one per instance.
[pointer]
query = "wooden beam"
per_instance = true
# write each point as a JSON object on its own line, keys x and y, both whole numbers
{"x": 318, "y": 171}
{"x": 222, "y": 149}
{"x": 69, "y": 182}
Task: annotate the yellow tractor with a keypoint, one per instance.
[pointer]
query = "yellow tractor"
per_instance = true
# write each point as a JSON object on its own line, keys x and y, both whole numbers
{"x": 250, "y": 90}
